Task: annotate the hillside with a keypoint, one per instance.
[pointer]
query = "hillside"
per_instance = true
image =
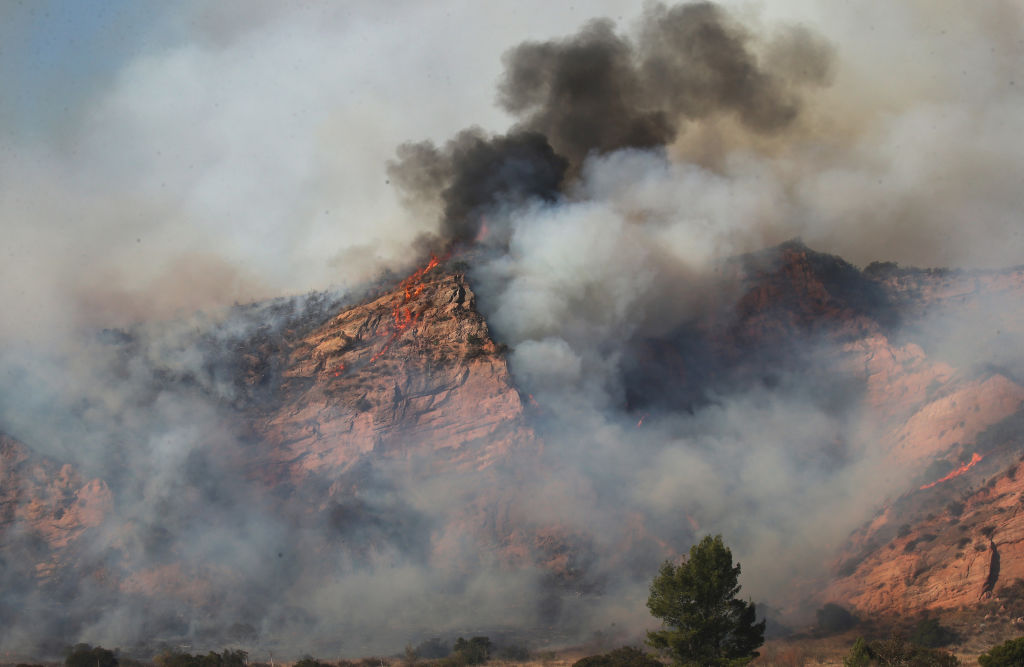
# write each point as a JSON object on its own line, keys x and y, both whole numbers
{"x": 384, "y": 451}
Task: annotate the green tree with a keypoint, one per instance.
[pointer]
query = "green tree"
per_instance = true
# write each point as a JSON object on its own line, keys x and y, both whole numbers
{"x": 1008, "y": 653}
{"x": 704, "y": 623}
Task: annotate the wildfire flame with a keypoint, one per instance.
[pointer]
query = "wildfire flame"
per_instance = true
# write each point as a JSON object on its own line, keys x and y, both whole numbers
{"x": 403, "y": 315}
{"x": 964, "y": 467}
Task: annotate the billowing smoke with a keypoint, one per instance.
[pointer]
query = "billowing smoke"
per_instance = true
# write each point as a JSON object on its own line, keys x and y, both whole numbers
{"x": 598, "y": 92}
{"x": 247, "y": 150}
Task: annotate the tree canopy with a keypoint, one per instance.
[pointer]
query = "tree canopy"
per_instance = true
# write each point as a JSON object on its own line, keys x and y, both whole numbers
{"x": 703, "y": 621}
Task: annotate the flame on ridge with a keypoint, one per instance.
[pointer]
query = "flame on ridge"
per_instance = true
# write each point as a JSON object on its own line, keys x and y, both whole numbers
{"x": 403, "y": 315}
{"x": 964, "y": 467}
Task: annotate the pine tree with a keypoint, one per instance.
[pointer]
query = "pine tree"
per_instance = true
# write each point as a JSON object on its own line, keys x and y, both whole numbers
{"x": 703, "y": 621}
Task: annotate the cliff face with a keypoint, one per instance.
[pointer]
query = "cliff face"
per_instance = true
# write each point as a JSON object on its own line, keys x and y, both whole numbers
{"x": 958, "y": 555}
{"x": 46, "y": 509}
{"x": 413, "y": 372}
{"x": 948, "y": 535}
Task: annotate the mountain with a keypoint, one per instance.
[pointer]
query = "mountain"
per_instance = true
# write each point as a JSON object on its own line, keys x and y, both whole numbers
{"x": 287, "y": 469}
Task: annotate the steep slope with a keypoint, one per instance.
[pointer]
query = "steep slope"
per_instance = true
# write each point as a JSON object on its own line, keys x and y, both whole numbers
{"x": 948, "y": 536}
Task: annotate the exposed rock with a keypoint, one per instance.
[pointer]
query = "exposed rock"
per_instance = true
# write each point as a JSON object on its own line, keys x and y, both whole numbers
{"x": 45, "y": 503}
{"x": 410, "y": 373}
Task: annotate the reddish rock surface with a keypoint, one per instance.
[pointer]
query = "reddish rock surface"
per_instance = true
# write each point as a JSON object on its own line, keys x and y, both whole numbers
{"x": 43, "y": 501}
{"x": 412, "y": 372}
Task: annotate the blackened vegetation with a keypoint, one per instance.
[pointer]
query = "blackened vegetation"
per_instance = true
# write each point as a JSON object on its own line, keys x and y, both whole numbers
{"x": 599, "y": 91}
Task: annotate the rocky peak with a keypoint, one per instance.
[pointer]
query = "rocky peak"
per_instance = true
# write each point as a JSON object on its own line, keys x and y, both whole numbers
{"x": 410, "y": 372}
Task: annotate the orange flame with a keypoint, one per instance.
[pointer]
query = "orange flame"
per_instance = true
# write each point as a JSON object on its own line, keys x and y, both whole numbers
{"x": 964, "y": 467}
{"x": 402, "y": 313}
{"x": 641, "y": 421}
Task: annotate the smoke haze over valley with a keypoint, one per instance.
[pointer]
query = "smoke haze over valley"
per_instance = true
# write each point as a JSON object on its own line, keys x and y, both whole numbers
{"x": 617, "y": 349}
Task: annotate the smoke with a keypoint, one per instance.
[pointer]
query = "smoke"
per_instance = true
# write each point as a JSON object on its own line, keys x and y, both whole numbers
{"x": 595, "y": 93}
{"x": 246, "y": 151}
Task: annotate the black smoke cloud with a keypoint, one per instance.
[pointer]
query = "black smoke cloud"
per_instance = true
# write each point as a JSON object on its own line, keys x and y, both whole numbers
{"x": 476, "y": 173}
{"x": 599, "y": 91}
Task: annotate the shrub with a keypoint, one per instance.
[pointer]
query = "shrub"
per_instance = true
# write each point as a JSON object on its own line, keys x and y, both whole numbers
{"x": 627, "y": 656}
{"x": 833, "y": 619}
{"x": 1007, "y": 654}
{"x": 860, "y": 655}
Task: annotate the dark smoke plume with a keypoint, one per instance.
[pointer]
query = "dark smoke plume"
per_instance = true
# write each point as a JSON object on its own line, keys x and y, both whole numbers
{"x": 598, "y": 91}
{"x": 476, "y": 173}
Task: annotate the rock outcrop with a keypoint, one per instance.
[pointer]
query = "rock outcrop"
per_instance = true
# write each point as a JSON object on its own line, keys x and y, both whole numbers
{"x": 413, "y": 372}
